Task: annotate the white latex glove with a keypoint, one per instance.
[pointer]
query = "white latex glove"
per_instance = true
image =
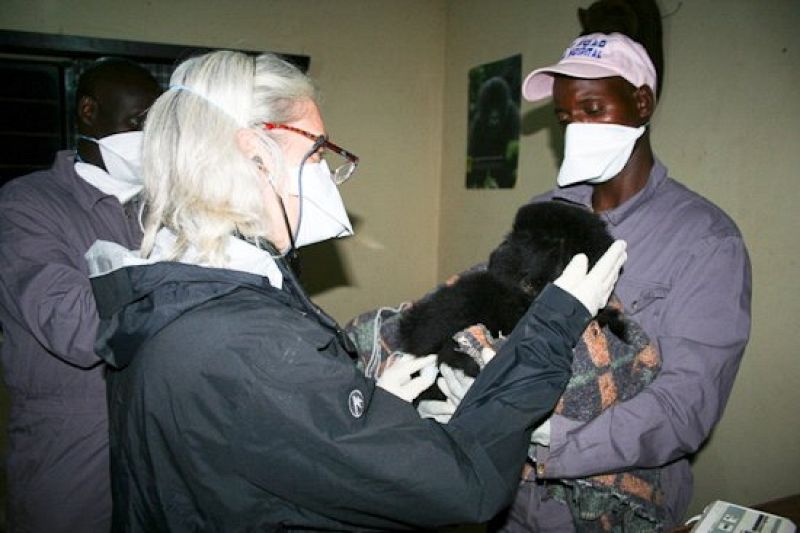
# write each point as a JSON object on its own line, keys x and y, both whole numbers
{"x": 487, "y": 354}
{"x": 541, "y": 435}
{"x": 593, "y": 288}
{"x": 396, "y": 378}
{"x": 454, "y": 383}
{"x": 440, "y": 410}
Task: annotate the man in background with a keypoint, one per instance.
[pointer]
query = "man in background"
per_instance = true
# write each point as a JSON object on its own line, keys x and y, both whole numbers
{"x": 57, "y": 465}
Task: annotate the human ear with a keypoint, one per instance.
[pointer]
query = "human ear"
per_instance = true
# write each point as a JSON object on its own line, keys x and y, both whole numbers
{"x": 251, "y": 146}
{"x": 645, "y": 102}
{"x": 247, "y": 142}
{"x": 87, "y": 111}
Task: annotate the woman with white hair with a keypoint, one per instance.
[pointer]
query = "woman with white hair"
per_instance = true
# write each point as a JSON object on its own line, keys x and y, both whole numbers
{"x": 234, "y": 402}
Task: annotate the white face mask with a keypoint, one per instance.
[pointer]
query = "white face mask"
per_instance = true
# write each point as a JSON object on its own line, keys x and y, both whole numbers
{"x": 322, "y": 213}
{"x": 122, "y": 156}
{"x": 595, "y": 153}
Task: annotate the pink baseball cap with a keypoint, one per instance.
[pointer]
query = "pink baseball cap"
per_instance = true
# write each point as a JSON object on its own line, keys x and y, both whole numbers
{"x": 597, "y": 55}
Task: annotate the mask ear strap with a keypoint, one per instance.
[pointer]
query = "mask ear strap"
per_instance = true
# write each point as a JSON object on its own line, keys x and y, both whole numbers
{"x": 291, "y": 256}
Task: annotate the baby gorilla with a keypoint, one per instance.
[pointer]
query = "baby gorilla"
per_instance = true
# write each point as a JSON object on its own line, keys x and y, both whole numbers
{"x": 544, "y": 237}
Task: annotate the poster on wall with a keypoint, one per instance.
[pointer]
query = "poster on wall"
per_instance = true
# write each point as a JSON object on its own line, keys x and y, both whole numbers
{"x": 493, "y": 124}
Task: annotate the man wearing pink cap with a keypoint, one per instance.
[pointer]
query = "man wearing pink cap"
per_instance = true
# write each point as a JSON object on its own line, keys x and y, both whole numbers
{"x": 687, "y": 282}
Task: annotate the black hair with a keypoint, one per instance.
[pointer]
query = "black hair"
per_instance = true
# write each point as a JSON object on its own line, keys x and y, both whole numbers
{"x": 638, "y": 19}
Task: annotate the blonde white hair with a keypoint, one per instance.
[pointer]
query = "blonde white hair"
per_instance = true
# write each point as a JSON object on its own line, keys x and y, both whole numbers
{"x": 198, "y": 183}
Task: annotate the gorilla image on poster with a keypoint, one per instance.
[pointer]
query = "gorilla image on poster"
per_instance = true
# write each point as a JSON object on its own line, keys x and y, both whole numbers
{"x": 494, "y": 118}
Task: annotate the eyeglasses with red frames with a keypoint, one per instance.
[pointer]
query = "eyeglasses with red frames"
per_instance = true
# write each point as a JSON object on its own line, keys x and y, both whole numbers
{"x": 342, "y": 171}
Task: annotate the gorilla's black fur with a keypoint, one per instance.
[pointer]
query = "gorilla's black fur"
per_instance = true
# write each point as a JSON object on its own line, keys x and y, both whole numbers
{"x": 544, "y": 237}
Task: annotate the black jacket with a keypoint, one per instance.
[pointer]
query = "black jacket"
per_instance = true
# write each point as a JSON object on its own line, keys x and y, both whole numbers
{"x": 235, "y": 406}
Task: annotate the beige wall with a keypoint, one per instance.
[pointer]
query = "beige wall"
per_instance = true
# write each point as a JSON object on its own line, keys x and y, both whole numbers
{"x": 728, "y": 127}
{"x": 394, "y": 76}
